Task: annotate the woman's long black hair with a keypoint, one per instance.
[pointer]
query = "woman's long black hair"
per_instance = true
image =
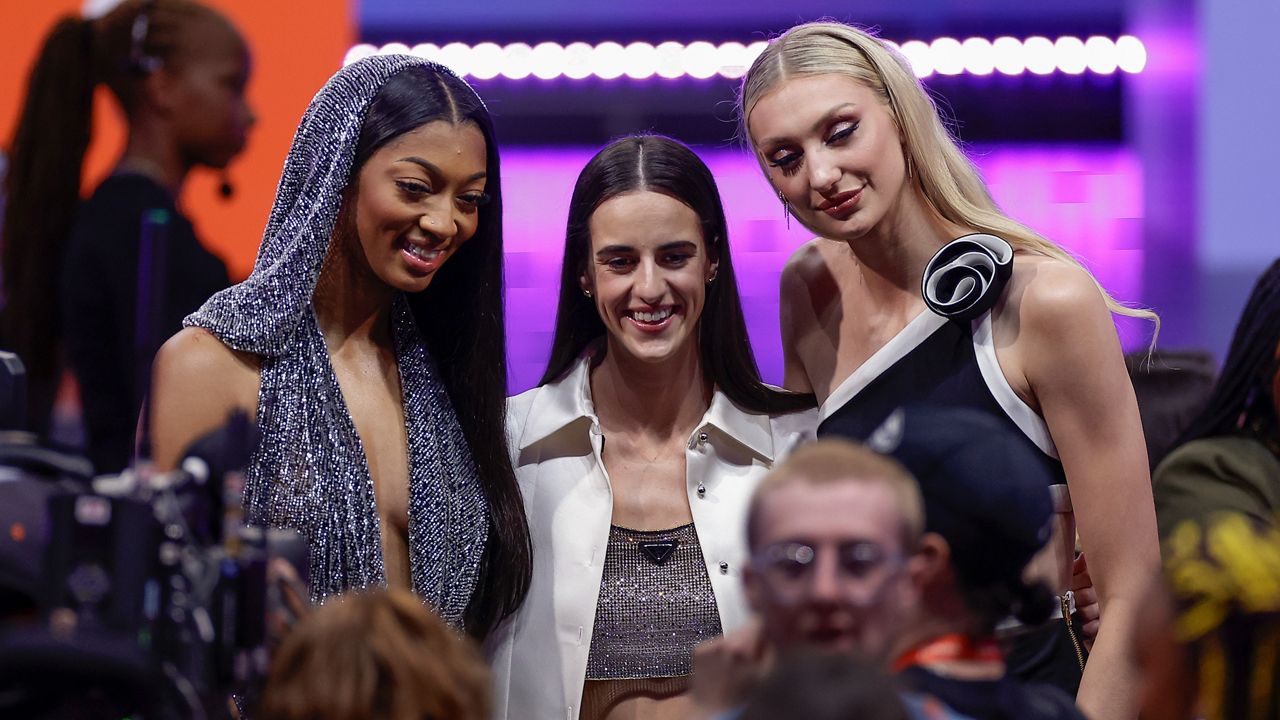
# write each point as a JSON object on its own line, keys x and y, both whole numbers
{"x": 661, "y": 164}
{"x": 460, "y": 315}
{"x": 1242, "y": 397}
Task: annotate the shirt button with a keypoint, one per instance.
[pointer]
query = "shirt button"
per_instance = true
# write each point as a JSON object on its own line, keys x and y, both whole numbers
{"x": 724, "y": 567}
{"x": 702, "y": 490}
{"x": 702, "y": 438}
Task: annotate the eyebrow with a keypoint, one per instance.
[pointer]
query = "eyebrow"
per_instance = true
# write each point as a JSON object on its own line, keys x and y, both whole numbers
{"x": 431, "y": 168}
{"x": 612, "y": 249}
{"x": 826, "y": 118}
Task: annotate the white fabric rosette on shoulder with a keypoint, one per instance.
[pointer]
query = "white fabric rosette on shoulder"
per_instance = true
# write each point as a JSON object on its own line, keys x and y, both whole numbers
{"x": 967, "y": 276}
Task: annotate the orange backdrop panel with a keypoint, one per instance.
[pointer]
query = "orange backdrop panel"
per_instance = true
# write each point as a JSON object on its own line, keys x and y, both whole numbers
{"x": 296, "y": 46}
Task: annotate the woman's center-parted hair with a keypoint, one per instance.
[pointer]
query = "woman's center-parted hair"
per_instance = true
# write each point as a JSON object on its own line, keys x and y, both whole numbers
{"x": 663, "y": 165}
{"x": 945, "y": 178}
{"x": 834, "y": 461}
{"x": 468, "y": 347}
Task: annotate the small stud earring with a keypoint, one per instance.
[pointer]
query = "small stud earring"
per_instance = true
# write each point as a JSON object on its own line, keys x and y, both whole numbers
{"x": 586, "y": 292}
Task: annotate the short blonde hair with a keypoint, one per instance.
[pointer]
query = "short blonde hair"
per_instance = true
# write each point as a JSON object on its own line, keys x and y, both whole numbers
{"x": 375, "y": 654}
{"x": 944, "y": 175}
{"x": 833, "y": 460}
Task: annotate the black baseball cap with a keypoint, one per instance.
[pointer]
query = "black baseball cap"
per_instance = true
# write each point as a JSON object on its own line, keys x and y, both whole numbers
{"x": 985, "y": 486}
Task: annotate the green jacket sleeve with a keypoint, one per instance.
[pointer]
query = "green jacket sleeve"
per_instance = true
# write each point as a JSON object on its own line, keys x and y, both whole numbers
{"x": 1216, "y": 474}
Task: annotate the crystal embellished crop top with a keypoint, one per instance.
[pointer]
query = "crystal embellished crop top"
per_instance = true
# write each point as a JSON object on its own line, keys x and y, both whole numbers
{"x": 655, "y": 604}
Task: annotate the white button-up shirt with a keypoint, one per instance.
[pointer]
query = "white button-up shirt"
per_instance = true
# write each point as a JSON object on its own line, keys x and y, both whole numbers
{"x": 539, "y": 655}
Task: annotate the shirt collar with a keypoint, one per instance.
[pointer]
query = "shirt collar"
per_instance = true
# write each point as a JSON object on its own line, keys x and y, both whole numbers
{"x": 558, "y": 404}
{"x": 750, "y": 430}
{"x": 561, "y": 403}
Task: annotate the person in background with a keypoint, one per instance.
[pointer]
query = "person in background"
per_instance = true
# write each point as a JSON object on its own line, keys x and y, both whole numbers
{"x": 1211, "y": 646}
{"x": 836, "y": 539}
{"x": 375, "y": 654}
{"x": 1228, "y": 459}
{"x": 1172, "y": 387}
{"x": 986, "y": 495}
{"x": 638, "y": 452}
{"x": 918, "y": 288}
{"x": 73, "y": 271}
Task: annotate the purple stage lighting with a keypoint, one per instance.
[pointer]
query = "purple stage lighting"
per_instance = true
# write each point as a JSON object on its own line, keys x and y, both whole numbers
{"x": 702, "y": 60}
{"x": 1087, "y": 198}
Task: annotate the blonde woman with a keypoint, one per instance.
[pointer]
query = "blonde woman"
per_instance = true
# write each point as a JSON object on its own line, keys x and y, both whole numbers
{"x": 918, "y": 288}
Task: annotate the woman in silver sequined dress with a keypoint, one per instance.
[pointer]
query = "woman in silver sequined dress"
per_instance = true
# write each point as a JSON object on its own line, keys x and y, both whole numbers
{"x": 638, "y": 453}
{"x": 376, "y": 374}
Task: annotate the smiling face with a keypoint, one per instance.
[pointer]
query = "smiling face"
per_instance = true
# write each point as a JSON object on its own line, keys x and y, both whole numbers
{"x": 831, "y": 146}
{"x": 417, "y": 202}
{"x": 647, "y": 272}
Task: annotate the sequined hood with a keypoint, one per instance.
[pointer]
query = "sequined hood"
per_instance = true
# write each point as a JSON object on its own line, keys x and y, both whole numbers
{"x": 262, "y": 314}
{"x": 310, "y": 471}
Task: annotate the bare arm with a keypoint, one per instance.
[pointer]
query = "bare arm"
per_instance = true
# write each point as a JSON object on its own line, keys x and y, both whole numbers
{"x": 196, "y": 383}
{"x": 1072, "y": 361}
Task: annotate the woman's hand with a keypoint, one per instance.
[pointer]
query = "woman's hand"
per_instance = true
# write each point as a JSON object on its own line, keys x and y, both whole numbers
{"x": 1087, "y": 607}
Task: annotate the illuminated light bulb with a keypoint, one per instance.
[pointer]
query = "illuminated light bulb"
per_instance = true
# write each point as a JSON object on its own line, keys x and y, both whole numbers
{"x": 668, "y": 58}
{"x": 608, "y": 60}
{"x": 1009, "y": 55}
{"x": 1100, "y": 54}
{"x": 921, "y": 58}
{"x": 359, "y": 52}
{"x": 486, "y": 61}
{"x": 979, "y": 56}
{"x": 426, "y": 51}
{"x": 456, "y": 57}
{"x": 733, "y": 60}
{"x": 641, "y": 60}
{"x": 699, "y": 60}
{"x": 577, "y": 60}
{"x": 947, "y": 56}
{"x": 1131, "y": 55}
{"x": 547, "y": 60}
{"x": 516, "y": 61}
{"x": 1039, "y": 55}
{"x": 1069, "y": 52}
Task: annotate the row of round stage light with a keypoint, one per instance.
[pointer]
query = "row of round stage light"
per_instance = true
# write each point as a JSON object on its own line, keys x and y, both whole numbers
{"x": 639, "y": 60}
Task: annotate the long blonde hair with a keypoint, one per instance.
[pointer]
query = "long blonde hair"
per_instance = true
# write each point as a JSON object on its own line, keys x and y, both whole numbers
{"x": 953, "y": 187}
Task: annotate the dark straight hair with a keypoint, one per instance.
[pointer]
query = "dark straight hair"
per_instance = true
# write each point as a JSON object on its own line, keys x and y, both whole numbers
{"x": 1242, "y": 399}
{"x": 469, "y": 345}
{"x": 661, "y": 164}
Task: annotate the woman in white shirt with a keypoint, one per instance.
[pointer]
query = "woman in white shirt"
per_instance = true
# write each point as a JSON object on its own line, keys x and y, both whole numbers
{"x": 639, "y": 450}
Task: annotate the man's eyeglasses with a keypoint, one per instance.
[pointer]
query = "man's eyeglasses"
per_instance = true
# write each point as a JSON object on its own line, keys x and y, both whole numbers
{"x": 790, "y": 564}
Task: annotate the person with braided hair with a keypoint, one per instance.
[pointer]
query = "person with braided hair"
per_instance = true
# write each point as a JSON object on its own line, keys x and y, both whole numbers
{"x": 71, "y": 270}
{"x": 1228, "y": 459}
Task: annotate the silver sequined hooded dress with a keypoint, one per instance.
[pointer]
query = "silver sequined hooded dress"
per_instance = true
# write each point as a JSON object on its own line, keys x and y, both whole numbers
{"x": 310, "y": 471}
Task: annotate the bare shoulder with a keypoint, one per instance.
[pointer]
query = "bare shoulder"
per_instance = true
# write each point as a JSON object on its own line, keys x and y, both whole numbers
{"x": 197, "y": 381}
{"x": 809, "y": 261}
{"x": 1050, "y": 294}
{"x": 197, "y": 356}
